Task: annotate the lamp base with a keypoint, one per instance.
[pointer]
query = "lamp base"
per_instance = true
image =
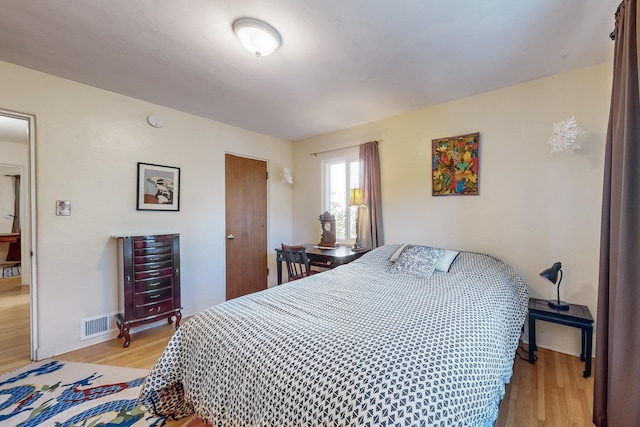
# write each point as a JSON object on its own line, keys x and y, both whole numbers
{"x": 559, "y": 305}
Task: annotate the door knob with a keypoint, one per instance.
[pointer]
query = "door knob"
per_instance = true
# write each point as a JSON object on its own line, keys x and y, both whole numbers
{"x": 231, "y": 237}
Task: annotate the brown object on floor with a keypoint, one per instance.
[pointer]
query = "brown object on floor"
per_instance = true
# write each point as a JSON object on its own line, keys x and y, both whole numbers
{"x": 197, "y": 422}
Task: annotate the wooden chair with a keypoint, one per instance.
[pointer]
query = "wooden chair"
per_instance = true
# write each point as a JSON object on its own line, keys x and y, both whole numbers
{"x": 297, "y": 262}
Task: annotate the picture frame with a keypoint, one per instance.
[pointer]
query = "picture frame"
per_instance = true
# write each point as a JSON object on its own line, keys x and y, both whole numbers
{"x": 454, "y": 165}
{"x": 158, "y": 187}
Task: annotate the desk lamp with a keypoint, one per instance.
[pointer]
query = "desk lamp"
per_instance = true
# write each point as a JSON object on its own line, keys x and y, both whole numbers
{"x": 551, "y": 274}
{"x": 355, "y": 199}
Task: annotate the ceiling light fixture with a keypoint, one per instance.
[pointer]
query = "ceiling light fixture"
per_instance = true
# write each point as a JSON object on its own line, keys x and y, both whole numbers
{"x": 258, "y": 37}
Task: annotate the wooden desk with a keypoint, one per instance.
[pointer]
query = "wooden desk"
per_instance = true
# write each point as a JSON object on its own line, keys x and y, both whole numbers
{"x": 14, "y": 253}
{"x": 326, "y": 258}
{"x": 577, "y": 316}
{"x": 9, "y": 237}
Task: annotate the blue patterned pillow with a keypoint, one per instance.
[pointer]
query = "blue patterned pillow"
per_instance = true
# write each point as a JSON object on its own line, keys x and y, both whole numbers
{"x": 417, "y": 260}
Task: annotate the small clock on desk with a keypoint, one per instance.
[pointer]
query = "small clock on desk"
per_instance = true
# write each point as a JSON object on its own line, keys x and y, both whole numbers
{"x": 328, "y": 224}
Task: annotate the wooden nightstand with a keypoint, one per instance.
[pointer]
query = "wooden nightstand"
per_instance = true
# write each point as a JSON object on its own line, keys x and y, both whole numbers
{"x": 577, "y": 316}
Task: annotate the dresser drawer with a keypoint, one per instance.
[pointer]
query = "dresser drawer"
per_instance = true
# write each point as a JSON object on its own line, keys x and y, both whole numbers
{"x": 152, "y": 251}
{"x": 153, "y": 309}
{"x": 153, "y": 284}
{"x": 145, "y": 259}
{"x": 152, "y": 297}
{"x": 141, "y": 243}
{"x": 153, "y": 266}
{"x": 322, "y": 261}
{"x": 153, "y": 274}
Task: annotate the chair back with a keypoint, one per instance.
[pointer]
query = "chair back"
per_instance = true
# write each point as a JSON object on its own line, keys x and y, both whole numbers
{"x": 297, "y": 262}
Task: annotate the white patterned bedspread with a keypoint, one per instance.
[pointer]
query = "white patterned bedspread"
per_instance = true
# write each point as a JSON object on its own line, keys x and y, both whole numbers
{"x": 355, "y": 345}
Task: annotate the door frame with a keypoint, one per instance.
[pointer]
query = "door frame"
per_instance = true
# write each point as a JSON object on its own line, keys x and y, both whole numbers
{"x": 29, "y": 216}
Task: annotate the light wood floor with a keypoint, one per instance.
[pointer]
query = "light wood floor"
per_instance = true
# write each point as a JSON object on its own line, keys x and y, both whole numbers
{"x": 14, "y": 324}
{"x": 550, "y": 393}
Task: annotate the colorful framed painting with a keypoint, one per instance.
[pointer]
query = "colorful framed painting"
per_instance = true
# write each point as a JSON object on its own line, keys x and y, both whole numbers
{"x": 158, "y": 188}
{"x": 455, "y": 165}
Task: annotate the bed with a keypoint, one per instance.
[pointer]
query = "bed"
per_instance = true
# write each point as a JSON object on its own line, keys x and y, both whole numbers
{"x": 367, "y": 343}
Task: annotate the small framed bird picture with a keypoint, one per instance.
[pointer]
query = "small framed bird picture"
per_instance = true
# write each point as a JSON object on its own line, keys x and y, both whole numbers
{"x": 158, "y": 188}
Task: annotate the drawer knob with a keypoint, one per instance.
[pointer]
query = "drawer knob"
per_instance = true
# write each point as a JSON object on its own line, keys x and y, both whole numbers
{"x": 154, "y": 284}
{"x": 155, "y": 273}
{"x": 154, "y": 296}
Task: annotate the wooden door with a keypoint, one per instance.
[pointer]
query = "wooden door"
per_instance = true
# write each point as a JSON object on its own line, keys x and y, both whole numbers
{"x": 246, "y": 225}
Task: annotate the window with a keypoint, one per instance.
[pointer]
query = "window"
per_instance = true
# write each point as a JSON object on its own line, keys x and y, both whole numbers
{"x": 341, "y": 174}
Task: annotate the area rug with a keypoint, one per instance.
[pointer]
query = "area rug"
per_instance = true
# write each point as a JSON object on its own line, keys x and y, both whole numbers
{"x": 69, "y": 394}
{"x": 10, "y": 271}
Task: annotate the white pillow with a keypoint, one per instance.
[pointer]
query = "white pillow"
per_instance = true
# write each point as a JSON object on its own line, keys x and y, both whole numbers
{"x": 445, "y": 261}
{"x": 417, "y": 260}
{"x": 396, "y": 254}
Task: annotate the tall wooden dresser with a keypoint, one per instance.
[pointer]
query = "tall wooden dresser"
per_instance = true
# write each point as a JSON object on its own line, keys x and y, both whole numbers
{"x": 149, "y": 281}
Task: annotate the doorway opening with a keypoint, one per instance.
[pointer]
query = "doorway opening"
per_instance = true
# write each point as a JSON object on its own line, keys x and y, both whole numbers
{"x": 17, "y": 240}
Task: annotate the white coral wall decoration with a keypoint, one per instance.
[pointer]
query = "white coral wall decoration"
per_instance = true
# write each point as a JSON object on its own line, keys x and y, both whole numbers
{"x": 564, "y": 136}
{"x": 286, "y": 176}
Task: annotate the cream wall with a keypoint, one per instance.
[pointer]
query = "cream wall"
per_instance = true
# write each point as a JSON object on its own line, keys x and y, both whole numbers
{"x": 88, "y": 142}
{"x": 534, "y": 207}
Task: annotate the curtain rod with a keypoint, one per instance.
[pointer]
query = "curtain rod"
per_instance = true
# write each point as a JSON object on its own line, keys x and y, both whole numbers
{"x": 342, "y": 148}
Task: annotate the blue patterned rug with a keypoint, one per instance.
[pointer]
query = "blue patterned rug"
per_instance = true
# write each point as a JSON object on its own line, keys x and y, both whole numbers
{"x": 69, "y": 394}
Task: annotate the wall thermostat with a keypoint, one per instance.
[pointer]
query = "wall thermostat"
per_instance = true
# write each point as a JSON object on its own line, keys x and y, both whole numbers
{"x": 155, "y": 120}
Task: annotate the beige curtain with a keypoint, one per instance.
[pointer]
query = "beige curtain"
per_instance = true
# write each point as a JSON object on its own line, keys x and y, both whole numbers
{"x": 617, "y": 367}
{"x": 370, "y": 217}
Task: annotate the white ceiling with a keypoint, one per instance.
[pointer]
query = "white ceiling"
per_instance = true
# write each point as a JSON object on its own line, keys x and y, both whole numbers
{"x": 342, "y": 62}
